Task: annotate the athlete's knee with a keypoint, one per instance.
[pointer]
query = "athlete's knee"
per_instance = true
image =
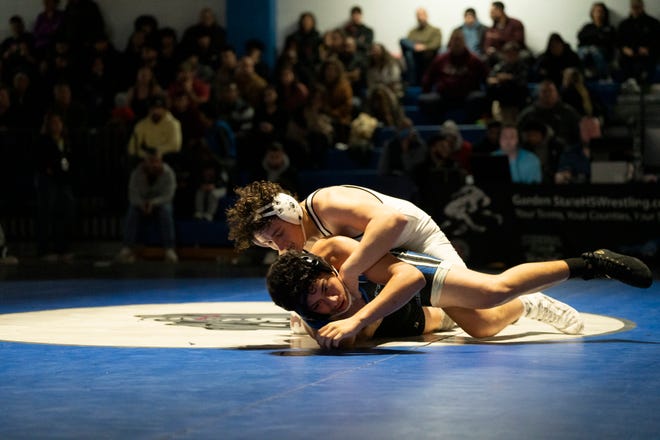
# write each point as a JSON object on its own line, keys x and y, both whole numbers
{"x": 496, "y": 291}
{"x": 483, "y": 331}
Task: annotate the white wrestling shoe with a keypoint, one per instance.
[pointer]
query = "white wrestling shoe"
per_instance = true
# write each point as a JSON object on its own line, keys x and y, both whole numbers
{"x": 550, "y": 311}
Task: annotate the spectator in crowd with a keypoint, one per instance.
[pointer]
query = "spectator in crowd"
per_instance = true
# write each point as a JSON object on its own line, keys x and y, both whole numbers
{"x": 355, "y": 66}
{"x": 56, "y": 202}
{"x": 597, "y": 42}
{"x": 310, "y": 132}
{"x": 198, "y": 90}
{"x": 332, "y": 43}
{"x": 490, "y": 141}
{"x": 132, "y": 55}
{"x": 524, "y": 165}
{"x": 25, "y": 102}
{"x": 270, "y": 119}
{"x": 420, "y": 47}
{"x": 142, "y": 91}
{"x": 454, "y": 80}
{"x": 289, "y": 55}
{"x": 254, "y": 49}
{"x": 201, "y": 71}
{"x": 147, "y": 25}
{"x": 305, "y": 42}
{"x": 575, "y": 93}
{"x": 503, "y": 30}
{"x": 363, "y": 34}
{"x": 442, "y": 161}
{"x": 574, "y": 166}
{"x": 168, "y": 56}
{"x": 292, "y": 94}
{"x": 103, "y": 48}
{"x": 122, "y": 116}
{"x": 74, "y": 114}
{"x": 46, "y": 27}
{"x": 211, "y": 189}
{"x": 473, "y": 31}
{"x": 204, "y": 51}
{"x": 639, "y": 44}
{"x": 97, "y": 92}
{"x": 208, "y": 27}
{"x": 158, "y": 132}
{"x": 383, "y": 105}
{"x": 57, "y": 66}
{"x": 276, "y": 167}
{"x": 438, "y": 170}
{"x": 234, "y": 110}
{"x": 461, "y": 150}
{"x": 403, "y": 154}
{"x": 539, "y": 139}
{"x": 575, "y": 162}
{"x": 151, "y": 189}
{"x": 17, "y": 51}
{"x": 338, "y": 98}
{"x": 269, "y": 125}
{"x": 383, "y": 69}
{"x": 549, "y": 109}
{"x": 6, "y": 258}
{"x": 226, "y": 73}
{"x": 194, "y": 124}
{"x": 250, "y": 85}
{"x": 557, "y": 57}
{"x": 507, "y": 84}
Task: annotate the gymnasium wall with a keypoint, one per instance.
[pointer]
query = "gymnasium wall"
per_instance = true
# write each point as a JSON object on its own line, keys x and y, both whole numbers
{"x": 390, "y": 19}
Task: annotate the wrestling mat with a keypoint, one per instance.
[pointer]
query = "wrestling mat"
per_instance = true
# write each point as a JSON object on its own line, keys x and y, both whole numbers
{"x": 245, "y": 324}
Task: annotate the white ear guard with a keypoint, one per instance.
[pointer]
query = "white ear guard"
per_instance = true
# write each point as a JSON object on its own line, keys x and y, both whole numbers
{"x": 283, "y": 206}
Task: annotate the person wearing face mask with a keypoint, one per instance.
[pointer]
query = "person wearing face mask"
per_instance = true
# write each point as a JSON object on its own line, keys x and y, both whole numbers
{"x": 158, "y": 131}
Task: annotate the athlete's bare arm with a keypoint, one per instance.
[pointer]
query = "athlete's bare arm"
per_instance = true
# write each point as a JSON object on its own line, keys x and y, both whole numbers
{"x": 400, "y": 280}
{"x": 351, "y": 212}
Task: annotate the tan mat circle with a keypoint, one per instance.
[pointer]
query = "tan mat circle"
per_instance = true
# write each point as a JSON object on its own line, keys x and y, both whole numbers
{"x": 230, "y": 325}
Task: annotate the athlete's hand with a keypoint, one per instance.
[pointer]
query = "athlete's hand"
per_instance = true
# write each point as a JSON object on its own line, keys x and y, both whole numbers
{"x": 330, "y": 335}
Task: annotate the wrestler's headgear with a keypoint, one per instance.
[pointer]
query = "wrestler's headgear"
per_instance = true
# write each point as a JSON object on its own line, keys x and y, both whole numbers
{"x": 290, "y": 279}
{"x": 283, "y": 206}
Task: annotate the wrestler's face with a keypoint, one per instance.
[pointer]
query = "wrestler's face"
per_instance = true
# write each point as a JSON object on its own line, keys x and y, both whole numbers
{"x": 281, "y": 236}
{"x": 328, "y": 296}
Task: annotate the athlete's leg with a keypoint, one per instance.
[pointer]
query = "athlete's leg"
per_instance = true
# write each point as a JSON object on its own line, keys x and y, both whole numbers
{"x": 475, "y": 290}
{"x": 483, "y": 323}
{"x": 436, "y": 319}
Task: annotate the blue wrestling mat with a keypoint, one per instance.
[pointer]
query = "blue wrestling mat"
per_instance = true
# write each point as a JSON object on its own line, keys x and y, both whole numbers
{"x": 212, "y": 358}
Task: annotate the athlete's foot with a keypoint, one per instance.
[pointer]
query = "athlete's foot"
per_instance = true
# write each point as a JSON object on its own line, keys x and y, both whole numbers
{"x": 608, "y": 264}
{"x": 561, "y": 316}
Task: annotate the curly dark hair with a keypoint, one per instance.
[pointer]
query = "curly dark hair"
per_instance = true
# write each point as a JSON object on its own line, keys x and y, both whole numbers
{"x": 240, "y": 217}
{"x": 290, "y": 279}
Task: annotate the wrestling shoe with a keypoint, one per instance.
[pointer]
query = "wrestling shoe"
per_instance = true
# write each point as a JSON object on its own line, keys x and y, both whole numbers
{"x": 561, "y": 316}
{"x": 628, "y": 270}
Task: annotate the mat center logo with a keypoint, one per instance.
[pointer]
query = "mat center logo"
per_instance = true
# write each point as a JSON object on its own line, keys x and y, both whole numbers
{"x": 225, "y": 321}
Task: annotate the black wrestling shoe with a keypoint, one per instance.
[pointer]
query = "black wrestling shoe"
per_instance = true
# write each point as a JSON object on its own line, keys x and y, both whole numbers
{"x": 629, "y": 270}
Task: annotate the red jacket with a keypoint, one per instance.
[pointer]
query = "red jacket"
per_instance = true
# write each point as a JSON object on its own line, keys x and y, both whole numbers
{"x": 455, "y": 76}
